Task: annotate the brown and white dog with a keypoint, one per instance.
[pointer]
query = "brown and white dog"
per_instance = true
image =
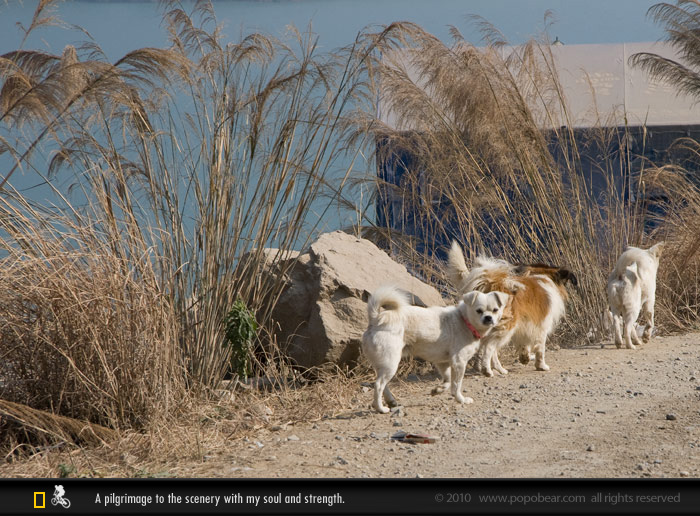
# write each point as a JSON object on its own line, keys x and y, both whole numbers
{"x": 537, "y": 304}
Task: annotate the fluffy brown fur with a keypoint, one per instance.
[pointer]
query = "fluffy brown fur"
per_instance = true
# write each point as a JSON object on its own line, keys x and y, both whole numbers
{"x": 537, "y": 303}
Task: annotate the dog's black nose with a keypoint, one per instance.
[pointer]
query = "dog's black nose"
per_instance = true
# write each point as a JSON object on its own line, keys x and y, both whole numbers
{"x": 487, "y": 319}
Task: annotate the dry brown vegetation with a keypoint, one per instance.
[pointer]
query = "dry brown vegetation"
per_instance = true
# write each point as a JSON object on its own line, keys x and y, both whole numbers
{"x": 184, "y": 163}
{"x": 482, "y": 170}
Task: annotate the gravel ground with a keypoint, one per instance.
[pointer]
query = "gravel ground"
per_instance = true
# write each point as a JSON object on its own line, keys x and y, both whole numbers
{"x": 600, "y": 412}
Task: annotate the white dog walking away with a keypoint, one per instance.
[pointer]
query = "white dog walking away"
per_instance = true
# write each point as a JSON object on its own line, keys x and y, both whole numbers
{"x": 631, "y": 290}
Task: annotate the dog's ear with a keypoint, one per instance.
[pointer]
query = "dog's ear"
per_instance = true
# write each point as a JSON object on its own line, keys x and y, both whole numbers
{"x": 657, "y": 249}
{"x": 470, "y": 297}
{"x": 501, "y": 298}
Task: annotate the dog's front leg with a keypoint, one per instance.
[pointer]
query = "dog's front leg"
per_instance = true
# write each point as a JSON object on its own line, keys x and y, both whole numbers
{"x": 459, "y": 364}
{"x": 496, "y": 364}
{"x": 490, "y": 344}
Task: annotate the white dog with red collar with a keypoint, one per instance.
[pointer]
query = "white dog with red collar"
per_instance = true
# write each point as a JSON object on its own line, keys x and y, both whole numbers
{"x": 446, "y": 336}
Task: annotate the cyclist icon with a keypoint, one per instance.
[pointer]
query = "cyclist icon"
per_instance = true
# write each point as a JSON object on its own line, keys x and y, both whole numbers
{"x": 58, "y": 497}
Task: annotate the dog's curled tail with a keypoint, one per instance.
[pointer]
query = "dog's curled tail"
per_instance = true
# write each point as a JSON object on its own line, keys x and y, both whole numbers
{"x": 457, "y": 270}
{"x": 384, "y": 305}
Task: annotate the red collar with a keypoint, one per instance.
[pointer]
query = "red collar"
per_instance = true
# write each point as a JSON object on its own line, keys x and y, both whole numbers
{"x": 476, "y": 334}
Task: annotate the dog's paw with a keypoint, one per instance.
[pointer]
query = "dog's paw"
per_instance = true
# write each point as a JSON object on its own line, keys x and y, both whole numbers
{"x": 381, "y": 410}
{"x": 631, "y": 346}
{"x": 487, "y": 372}
{"x": 465, "y": 400}
{"x": 618, "y": 345}
{"x": 502, "y": 370}
{"x": 524, "y": 358}
{"x": 542, "y": 367}
{"x": 437, "y": 390}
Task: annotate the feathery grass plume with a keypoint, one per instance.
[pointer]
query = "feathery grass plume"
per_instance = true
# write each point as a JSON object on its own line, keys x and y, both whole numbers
{"x": 682, "y": 23}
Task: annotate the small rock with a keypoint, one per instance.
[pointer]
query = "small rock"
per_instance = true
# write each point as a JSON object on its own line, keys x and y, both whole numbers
{"x": 671, "y": 417}
{"x": 341, "y": 460}
{"x": 591, "y": 447}
{"x": 339, "y": 438}
{"x": 523, "y": 386}
{"x": 271, "y": 458}
{"x": 292, "y": 438}
{"x": 397, "y": 423}
{"x": 276, "y": 428}
{"x": 412, "y": 378}
{"x": 397, "y": 411}
{"x": 684, "y": 474}
{"x": 365, "y": 389}
{"x": 418, "y": 475}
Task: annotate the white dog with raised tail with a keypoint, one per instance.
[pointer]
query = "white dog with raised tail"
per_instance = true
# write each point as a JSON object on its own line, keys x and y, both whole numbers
{"x": 446, "y": 336}
{"x": 631, "y": 290}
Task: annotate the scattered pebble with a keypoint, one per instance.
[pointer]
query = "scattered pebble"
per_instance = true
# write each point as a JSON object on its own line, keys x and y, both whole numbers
{"x": 292, "y": 438}
{"x": 591, "y": 447}
{"x": 339, "y": 438}
{"x": 671, "y": 417}
{"x": 684, "y": 474}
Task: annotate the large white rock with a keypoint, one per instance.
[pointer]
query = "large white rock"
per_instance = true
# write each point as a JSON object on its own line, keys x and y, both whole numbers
{"x": 322, "y": 312}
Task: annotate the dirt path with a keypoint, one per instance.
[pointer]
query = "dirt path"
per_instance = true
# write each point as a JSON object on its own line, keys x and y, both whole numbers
{"x": 597, "y": 413}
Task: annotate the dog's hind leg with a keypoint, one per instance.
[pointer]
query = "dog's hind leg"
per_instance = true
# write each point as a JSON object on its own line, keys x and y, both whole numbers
{"x": 629, "y": 329}
{"x": 539, "y": 348}
{"x": 648, "y": 311}
{"x": 385, "y": 372}
{"x": 445, "y": 370}
{"x": 617, "y": 328}
{"x": 630, "y": 332}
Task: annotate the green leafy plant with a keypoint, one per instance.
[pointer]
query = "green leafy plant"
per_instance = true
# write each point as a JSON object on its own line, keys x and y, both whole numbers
{"x": 241, "y": 330}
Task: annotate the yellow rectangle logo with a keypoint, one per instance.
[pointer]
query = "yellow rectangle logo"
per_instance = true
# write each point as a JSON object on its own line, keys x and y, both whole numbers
{"x": 40, "y": 495}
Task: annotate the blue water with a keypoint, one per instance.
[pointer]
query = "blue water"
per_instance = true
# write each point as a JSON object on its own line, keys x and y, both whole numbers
{"x": 120, "y": 26}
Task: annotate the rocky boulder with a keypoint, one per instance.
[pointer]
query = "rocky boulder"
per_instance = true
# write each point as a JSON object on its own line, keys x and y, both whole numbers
{"x": 322, "y": 312}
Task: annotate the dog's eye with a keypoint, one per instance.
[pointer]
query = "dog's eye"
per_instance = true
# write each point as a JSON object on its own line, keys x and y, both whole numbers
{"x": 495, "y": 310}
{"x": 479, "y": 311}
